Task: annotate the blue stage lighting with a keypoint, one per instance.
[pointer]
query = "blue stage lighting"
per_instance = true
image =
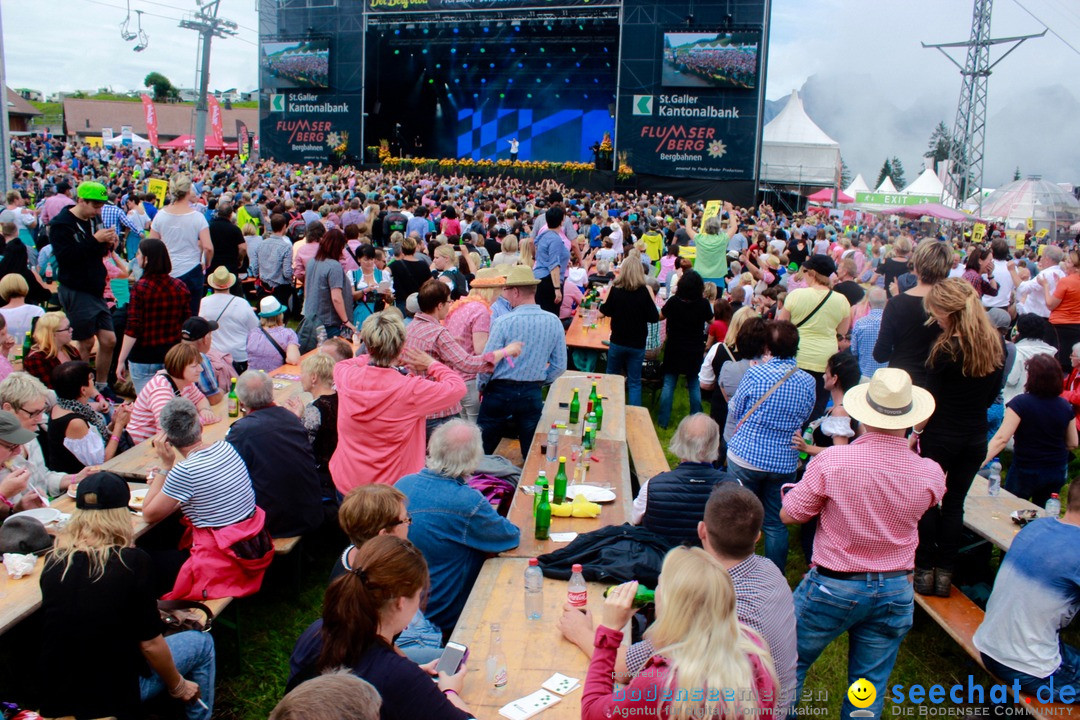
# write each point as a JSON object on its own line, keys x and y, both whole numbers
{"x": 491, "y": 65}
{"x": 513, "y": 50}
{"x": 542, "y": 50}
{"x": 424, "y": 51}
{"x": 487, "y": 29}
{"x": 456, "y": 31}
{"x": 510, "y": 81}
{"x": 476, "y": 95}
{"x": 465, "y": 65}
{"x": 426, "y": 31}
{"x": 549, "y": 64}
{"x": 521, "y": 65}
{"x": 397, "y": 32}
{"x": 453, "y": 51}
{"x": 528, "y": 95}
{"x": 483, "y": 80}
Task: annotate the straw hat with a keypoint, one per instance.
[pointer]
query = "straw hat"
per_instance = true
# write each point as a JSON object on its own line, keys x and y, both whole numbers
{"x": 269, "y": 306}
{"x": 889, "y": 401}
{"x": 519, "y": 276}
{"x": 221, "y": 278}
{"x": 488, "y": 277}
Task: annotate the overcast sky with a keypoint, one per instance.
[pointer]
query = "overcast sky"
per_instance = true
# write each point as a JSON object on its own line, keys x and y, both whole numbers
{"x": 872, "y": 87}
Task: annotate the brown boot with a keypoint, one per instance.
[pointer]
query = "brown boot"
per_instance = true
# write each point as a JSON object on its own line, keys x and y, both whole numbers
{"x": 924, "y": 581}
{"x": 942, "y": 582}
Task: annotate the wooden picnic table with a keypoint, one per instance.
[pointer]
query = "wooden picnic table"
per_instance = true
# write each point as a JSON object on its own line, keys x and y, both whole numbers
{"x": 612, "y": 389}
{"x": 136, "y": 462}
{"x": 534, "y": 649}
{"x": 584, "y": 337}
{"x": 990, "y": 517}
{"x": 23, "y": 596}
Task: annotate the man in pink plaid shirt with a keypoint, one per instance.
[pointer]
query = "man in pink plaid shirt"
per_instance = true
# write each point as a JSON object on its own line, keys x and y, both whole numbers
{"x": 868, "y": 496}
{"x": 427, "y": 333}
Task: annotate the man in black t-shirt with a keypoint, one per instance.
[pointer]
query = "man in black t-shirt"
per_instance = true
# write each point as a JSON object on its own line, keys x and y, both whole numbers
{"x": 228, "y": 241}
{"x": 395, "y": 221}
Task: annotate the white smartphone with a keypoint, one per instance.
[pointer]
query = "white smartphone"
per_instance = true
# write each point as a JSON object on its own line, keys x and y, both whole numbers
{"x": 453, "y": 657}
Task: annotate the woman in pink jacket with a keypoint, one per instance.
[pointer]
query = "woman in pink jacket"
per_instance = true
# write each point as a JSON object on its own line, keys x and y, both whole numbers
{"x": 706, "y": 664}
{"x": 382, "y": 408}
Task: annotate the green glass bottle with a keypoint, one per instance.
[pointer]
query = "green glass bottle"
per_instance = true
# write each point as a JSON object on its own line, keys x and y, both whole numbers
{"x": 543, "y": 516}
{"x": 541, "y": 487}
{"x": 590, "y": 430}
{"x": 598, "y": 411}
{"x": 643, "y": 596}
{"x": 575, "y": 408}
{"x": 558, "y": 491}
{"x": 27, "y": 344}
{"x": 234, "y": 401}
{"x": 592, "y": 400}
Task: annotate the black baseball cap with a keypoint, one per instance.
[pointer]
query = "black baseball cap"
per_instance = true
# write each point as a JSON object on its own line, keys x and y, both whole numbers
{"x": 820, "y": 263}
{"x": 102, "y": 491}
{"x": 196, "y": 328}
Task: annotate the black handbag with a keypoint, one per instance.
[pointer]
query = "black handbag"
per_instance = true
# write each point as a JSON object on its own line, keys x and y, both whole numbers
{"x": 181, "y": 616}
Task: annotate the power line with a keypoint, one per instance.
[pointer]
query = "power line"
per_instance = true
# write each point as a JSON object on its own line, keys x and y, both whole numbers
{"x": 165, "y": 17}
{"x": 172, "y": 7}
{"x": 1049, "y": 29}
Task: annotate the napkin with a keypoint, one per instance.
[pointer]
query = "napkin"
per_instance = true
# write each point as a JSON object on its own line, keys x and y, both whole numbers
{"x": 18, "y": 565}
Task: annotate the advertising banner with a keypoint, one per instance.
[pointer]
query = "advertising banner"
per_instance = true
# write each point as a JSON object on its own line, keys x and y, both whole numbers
{"x": 398, "y": 6}
{"x": 216, "y": 127}
{"x": 307, "y": 127}
{"x": 106, "y": 134}
{"x": 150, "y": 114}
{"x": 125, "y": 135}
{"x": 243, "y": 140}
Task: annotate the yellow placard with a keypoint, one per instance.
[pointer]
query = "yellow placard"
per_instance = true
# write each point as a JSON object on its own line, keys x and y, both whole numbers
{"x": 688, "y": 251}
{"x": 712, "y": 209}
{"x": 159, "y": 187}
{"x": 1030, "y": 224}
{"x": 1042, "y": 233}
{"x": 94, "y": 141}
{"x": 978, "y": 232}
{"x": 1042, "y": 248}
{"x": 1018, "y": 238}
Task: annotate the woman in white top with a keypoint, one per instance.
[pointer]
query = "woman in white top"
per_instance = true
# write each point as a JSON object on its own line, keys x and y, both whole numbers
{"x": 509, "y": 254}
{"x": 19, "y": 315}
{"x": 186, "y": 234}
{"x": 234, "y": 317}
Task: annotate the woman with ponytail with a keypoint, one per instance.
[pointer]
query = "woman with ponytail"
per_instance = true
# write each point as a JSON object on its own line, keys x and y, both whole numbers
{"x": 363, "y": 611}
{"x": 706, "y": 664}
{"x": 964, "y": 374}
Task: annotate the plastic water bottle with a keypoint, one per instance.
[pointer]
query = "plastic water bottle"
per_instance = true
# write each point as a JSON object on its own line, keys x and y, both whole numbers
{"x": 553, "y": 443}
{"x": 993, "y": 485}
{"x": 1053, "y": 506}
{"x": 577, "y": 592}
{"x": 534, "y": 590}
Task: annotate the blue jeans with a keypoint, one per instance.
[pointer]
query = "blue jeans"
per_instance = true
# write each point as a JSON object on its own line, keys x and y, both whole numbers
{"x": 876, "y": 613}
{"x": 193, "y": 655}
{"x": 195, "y": 280}
{"x": 622, "y": 360}
{"x": 421, "y": 641}
{"x": 1067, "y": 675}
{"x": 142, "y": 372}
{"x": 667, "y": 396}
{"x": 1035, "y": 484}
{"x": 766, "y": 485}
{"x": 506, "y": 399}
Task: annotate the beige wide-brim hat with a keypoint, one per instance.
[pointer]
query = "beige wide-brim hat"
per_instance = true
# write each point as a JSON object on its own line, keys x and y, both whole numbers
{"x": 488, "y": 277}
{"x": 221, "y": 278}
{"x": 519, "y": 276}
{"x": 889, "y": 401}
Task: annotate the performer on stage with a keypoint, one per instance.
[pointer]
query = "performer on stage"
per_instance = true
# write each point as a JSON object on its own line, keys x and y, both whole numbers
{"x": 514, "y": 149}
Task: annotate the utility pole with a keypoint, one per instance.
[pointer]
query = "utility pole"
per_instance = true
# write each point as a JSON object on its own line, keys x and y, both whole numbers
{"x": 966, "y": 151}
{"x": 207, "y": 23}
{"x": 5, "y": 130}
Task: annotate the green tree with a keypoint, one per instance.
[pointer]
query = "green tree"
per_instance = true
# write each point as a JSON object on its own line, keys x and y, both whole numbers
{"x": 897, "y": 173}
{"x": 163, "y": 89}
{"x": 1016, "y": 175}
{"x": 845, "y": 173}
{"x": 940, "y": 143}
{"x": 886, "y": 171}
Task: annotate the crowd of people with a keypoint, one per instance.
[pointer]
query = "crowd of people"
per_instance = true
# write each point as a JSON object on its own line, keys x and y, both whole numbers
{"x": 857, "y": 379}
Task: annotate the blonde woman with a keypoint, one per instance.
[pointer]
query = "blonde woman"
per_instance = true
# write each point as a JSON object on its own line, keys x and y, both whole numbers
{"x": 95, "y": 580}
{"x": 527, "y": 254}
{"x": 701, "y": 649}
{"x": 19, "y": 315}
{"x": 186, "y": 234}
{"x": 52, "y": 347}
{"x": 721, "y": 352}
{"x": 320, "y": 415}
{"x": 964, "y": 374}
{"x": 631, "y": 306}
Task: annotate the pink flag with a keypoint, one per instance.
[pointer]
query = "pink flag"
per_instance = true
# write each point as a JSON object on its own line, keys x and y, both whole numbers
{"x": 150, "y": 112}
{"x": 217, "y": 129}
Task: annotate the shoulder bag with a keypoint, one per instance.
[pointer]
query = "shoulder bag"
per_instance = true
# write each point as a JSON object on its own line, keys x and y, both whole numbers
{"x": 273, "y": 342}
{"x": 765, "y": 397}
{"x": 816, "y": 308}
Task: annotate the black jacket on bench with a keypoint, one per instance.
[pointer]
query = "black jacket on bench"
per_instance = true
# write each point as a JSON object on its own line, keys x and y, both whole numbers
{"x": 613, "y": 554}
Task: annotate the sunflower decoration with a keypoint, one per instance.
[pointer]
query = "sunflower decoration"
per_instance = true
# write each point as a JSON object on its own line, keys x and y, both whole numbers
{"x": 605, "y": 144}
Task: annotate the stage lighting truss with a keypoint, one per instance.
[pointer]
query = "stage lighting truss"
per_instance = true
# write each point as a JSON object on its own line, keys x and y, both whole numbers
{"x": 494, "y": 19}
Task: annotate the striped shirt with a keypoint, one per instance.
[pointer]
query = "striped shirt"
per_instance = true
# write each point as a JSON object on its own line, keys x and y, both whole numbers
{"x": 763, "y": 603}
{"x": 212, "y": 486}
{"x": 115, "y": 218}
{"x": 426, "y": 334}
{"x": 274, "y": 261}
{"x": 543, "y": 357}
{"x": 146, "y": 411}
{"x": 763, "y": 442}
{"x": 863, "y": 338}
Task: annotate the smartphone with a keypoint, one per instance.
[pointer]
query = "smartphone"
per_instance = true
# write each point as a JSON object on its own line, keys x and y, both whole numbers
{"x": 564, "y": 404}
{"x": 454, "y": 656}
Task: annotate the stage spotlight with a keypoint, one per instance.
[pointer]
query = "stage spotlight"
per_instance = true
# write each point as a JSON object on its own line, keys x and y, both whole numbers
{"x": 475, "y": 95}
{"x": 491, "y": 65}
{"x": 397, "y": 31}
{"x": 513, "y": 50}
{"x": 424, "y": 51}
{"x": 573, "y": 49}
{"x": 397, "y": 52}
{"x": 537, "y": 81}
{"x": 605, "y": 48}
{"x": 586, "y": 96}
{"x": 465, "y": 65}
{"x": 457, "y": 81}
{"x": 577, "y": 64}
{"x": 549, "y": 64}
{"x": 502, "y": 96}
{"x": 521, "y": 65}
{"x": 580, "y": 27}
{"x": 453, "y": 51}
{"x": 426, "y": 31}
{"x": 510, "y": 81}
{"x": 542, "y": 50}
{"x": 438, "y": 66}
{"x": 596, "y": 81}
{"x": 456, "y": 31}
{"x": 567, "y": 80}
{"x": 528, "y": 95}
{"x": 517, "y": 28}
{"x": 483, "y": 81}
{"x": 487, "y": 29}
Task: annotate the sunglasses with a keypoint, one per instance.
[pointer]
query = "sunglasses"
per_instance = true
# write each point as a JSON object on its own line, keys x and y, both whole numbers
{"x": 406, "y": 521}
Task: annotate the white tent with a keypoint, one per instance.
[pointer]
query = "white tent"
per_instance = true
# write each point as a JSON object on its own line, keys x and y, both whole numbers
{"x": 857, "y": 185}
{"x": 886, "y": 186}
{"x": 795, "y": 151}
{"x": 136, "y": 141}
{"x": 928, "y": 183}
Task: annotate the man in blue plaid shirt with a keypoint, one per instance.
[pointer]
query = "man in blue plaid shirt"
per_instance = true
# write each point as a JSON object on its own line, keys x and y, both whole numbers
{"x": 760, "y": 453}
{"x": 115, "y": 218}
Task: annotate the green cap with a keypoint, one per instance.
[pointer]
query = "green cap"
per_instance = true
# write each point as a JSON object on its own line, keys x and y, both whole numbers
{"x": 93, "y": 191}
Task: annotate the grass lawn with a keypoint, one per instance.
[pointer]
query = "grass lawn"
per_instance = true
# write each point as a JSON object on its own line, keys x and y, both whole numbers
{"x": 249, "y": 685}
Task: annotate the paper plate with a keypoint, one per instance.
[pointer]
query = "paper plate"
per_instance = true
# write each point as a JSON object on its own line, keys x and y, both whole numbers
{"x": 42, "y": 515}
{"x": 592, "y": 493}
{"x": 137, "y": 497}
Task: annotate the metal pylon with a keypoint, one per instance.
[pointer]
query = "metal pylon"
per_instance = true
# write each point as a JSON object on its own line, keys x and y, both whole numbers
{"x": 966, "y": 151}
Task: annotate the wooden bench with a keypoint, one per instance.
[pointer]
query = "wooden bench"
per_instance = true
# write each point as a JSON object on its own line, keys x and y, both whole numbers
{"x": 960, "y": 618}
{"x": 511, "y": 450}
{"x": 646, "y": 453}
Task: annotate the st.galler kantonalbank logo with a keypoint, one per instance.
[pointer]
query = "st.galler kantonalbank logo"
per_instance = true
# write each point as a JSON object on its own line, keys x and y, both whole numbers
{"x": 643, "y": 105}
{"x": 277, "y": 102}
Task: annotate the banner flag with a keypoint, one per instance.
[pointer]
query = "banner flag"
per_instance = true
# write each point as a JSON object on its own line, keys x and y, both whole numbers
{"x": 217, "y": 130}
{"x": 150, "y": 113}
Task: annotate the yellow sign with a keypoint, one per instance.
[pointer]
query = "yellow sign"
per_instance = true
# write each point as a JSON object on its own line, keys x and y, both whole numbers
{"x": 94, "y": 141}
{"x": 978, "y": 232}
{"x": 159, "y": 187}
{"x": 712, "y": 209}
{"x": 688, "y": 251}
{"x": 1030, "y": 224}
{"x": 1042, "y": 233}
{"x": 1042, "y": 248}
{"x": 1018, "y": 238}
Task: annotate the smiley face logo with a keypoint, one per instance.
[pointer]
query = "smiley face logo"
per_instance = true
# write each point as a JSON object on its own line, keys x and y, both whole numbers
{"x": 862, "y": 693}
